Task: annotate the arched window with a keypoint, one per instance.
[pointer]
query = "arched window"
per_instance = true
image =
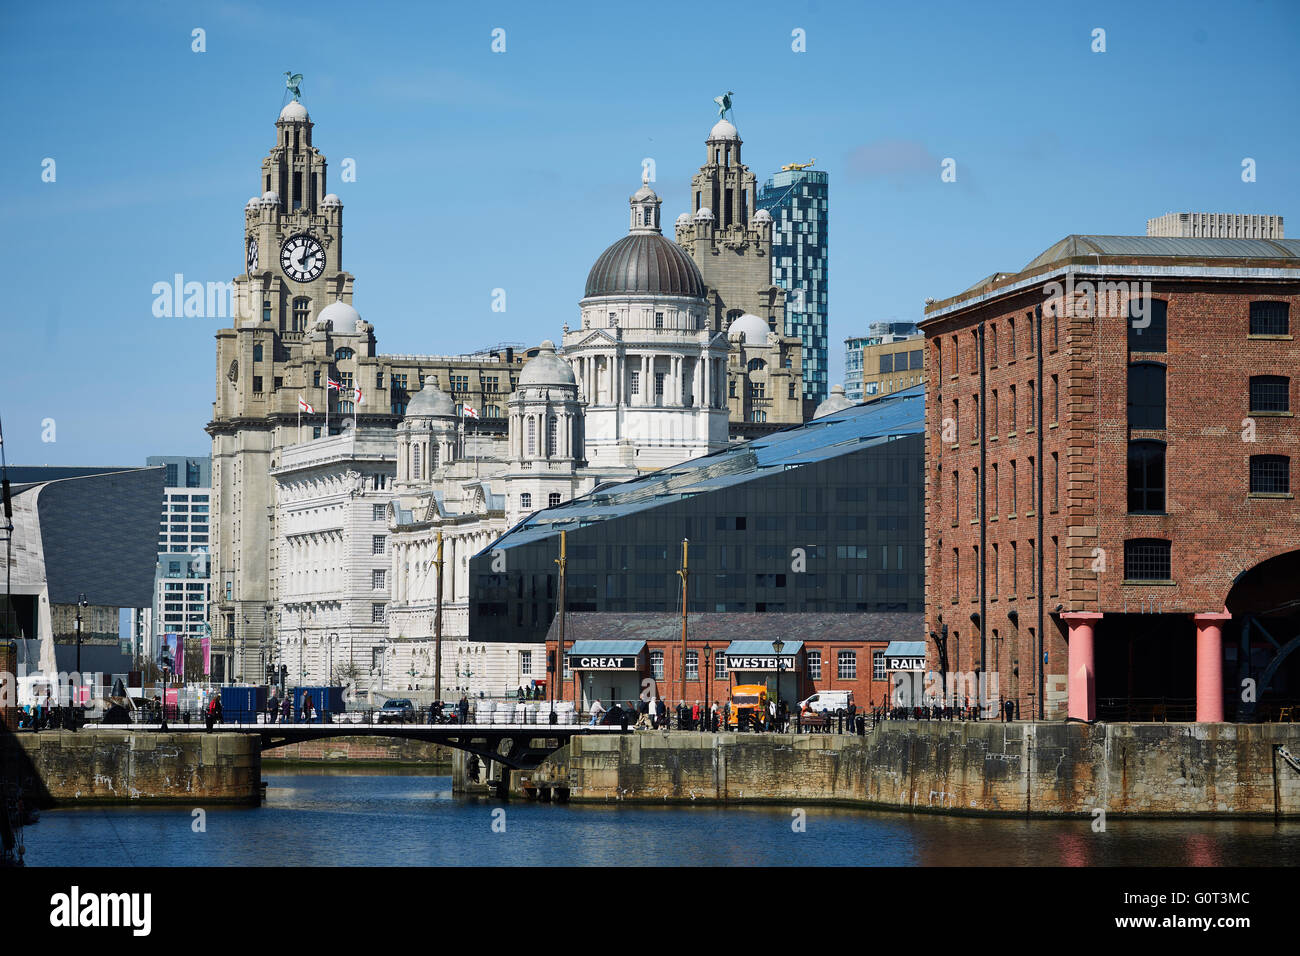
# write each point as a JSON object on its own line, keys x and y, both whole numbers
{"x": 415, "y": 462}
{"x": 341, "y": 354}
{"x": 433, "y": 456}
{"x": 532, "y": 437}
{"x": 1147, "y": 325}
{"x": 551, "y": 434}
{"x": 301, "y": 310}
{"x": 756, "y": 365}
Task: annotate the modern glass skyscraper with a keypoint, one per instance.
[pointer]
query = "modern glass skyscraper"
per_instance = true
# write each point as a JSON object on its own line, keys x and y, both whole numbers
{"x": 797, "y": 202}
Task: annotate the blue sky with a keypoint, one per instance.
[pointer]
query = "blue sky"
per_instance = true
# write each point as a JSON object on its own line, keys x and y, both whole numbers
{"x": 479, "y": 170}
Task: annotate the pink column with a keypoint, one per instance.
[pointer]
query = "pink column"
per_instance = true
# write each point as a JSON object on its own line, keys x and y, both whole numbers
{"x": 1081, "y": 680}
{"x": 1209, "y": 666}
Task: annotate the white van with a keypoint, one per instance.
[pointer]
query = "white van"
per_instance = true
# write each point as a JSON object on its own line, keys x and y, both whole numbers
{"x": 831, "y": 700}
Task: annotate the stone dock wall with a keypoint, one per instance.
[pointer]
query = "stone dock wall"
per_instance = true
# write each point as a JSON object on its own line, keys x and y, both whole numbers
{"x": 118, "y": 766}
{"x": 1015, "y": 769}
{"x": 371, "y": 751}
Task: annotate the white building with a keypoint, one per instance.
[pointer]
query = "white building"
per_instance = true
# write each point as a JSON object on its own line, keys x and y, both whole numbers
{"x": 331, "y": 508}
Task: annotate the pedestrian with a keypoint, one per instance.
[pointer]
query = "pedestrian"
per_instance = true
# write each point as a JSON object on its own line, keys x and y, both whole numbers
{"x": 286, "y": 710}
{"x": 713, "y": 718}
{"x": 463, "y": 707}
{"x": 216, "y": 713}
{"x": 306, "y": 707}
{"x": 596, "y": 710}
{"x": 695, "y": 716}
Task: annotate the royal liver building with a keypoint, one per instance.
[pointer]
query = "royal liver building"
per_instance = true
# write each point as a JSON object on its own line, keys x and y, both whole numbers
{"x": 327, "y": 534}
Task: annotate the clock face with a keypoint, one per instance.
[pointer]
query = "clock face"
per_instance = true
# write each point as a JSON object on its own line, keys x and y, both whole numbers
{"x": 252, "y": 256}
{"x": 302, "y": 258}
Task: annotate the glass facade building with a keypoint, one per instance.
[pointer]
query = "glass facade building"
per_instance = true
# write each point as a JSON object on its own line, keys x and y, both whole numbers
{"x": 183, "y": 582}
{"x": 797, "y": 202}
{"x": 823, "y": 517}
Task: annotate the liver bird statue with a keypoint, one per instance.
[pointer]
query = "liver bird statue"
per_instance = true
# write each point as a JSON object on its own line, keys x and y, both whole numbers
{"x": 291, "y": 82}
{"x": 724, "y": 103}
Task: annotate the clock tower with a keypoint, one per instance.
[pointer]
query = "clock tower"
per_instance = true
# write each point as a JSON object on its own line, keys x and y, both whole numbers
{"x": 293, "y": 234}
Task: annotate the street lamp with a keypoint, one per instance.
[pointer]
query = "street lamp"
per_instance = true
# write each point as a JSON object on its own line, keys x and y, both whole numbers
{"x": 777, "y": 646}
{"x": 333, "y": 639}
{"x": 708, "y": 672}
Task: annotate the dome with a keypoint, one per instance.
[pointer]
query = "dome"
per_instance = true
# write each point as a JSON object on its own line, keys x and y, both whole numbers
{"x": 340, "y": 313}
{"x": 645, "y": 263}
{"x": 683, "y": 219}
{"x": 331, "y": 200}
{"x": 705, "y": 214}
{"x": 753, "y": 329}
{"x": 724, "y": 131}
{"x": 762, "y": 216}
{"x": 253, "y": 203}
{"x": 430, "y": 402}
{"x": 547, "y": 368}
{"x": 644, "y": 194}
{"x": 836, "y": 403}
{"x": 294, "y": 112}
{"x": 270, "y": 198}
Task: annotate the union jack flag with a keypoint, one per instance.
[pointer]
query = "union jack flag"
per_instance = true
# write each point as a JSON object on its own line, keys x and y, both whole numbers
{"x": 335, "y": 385}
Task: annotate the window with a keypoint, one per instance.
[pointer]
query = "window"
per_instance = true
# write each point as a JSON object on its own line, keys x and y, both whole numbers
{"x": 378, "y": 512}
{"x": 341, "y": 354}
{"x": 1056, "y": 565}
{"x": 377, "y": 544}
{"x": 657, "y": 665}
{"x": 415, "y": 462}
{"x": 1146, "y": 325}
{"x": 791, "y": 390}
{"x": 1269, "y": 318}
{"x": 847, "y": 668}
{"x": 1146, "y": 395}
{"x": 878, "y": 665}
{"x": 956, "y": 497}
{"x": 975, "y": 417}
{"x": 1011, "y": 408}
{"x": 257, "y": 353}
{"x": 1056, "y": 399}
{"x": 956, "y": 575}
{"x": 659, "y": 385}
{"x": 459, "y": 383}
{"x": 814, "y": 665}
{"x": 659, "y": 316}
{"x": 1146, "y": 477}
{"x": 532, "y": 437}
{"x": 1014, "y": 489}
{"x": 526, "y": 501}
{"x": 886, "y": 363}
{"x": 955, "y": 346}
{"x": 377, "y": 580}
{"x": 1270, "y": 475}
{"x": 993, "y": 412}
{"x": 994, "y": 565}
{"x": 301, "y": 310}
{"x": 1268, "y": 393}
{"x": 1031, "y": 408}
{"x": 1015, "y": 569}
{"x": 377, "y": 613}
{"x": 636, "y": 383}
{"x": 993, "y": 485}
{"x": 692, "y": 665}
{"x": 1056, "y": 481}
{"x": 1147, "y": 559}
{"x": 379, "y": 379}
{"x": 257, "y": 383}
{"x": 553, "y": 499}
{"x": 526, "y": 662}
{"x": 1011, "y": 339}
{"x": 1029, "y": 323}
{"x": 719, "y": 665}
{"x": 266, "y": 310}
{"x": 551, "y": 435}
{"x": 993, "y": 344}
{"x": 756, "y": 365}
{"x": 956, "y": 420}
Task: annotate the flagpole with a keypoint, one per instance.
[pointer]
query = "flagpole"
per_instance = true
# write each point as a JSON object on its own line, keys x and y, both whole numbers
{"x": 327, "y": 408}
{"x": 299, "y": 419}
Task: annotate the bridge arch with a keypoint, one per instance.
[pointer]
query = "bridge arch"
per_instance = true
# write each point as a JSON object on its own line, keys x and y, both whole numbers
{"x": 1264, "y": 601}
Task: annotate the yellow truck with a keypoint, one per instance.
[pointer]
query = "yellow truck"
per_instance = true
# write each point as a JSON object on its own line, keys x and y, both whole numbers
{"x": 748, "y": 704}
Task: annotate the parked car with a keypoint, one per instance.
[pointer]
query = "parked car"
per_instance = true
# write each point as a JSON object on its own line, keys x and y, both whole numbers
{"x": 396, "y": 710}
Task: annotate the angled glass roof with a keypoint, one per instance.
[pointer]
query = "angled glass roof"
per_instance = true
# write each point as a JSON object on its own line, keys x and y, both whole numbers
{"x": 840, "y": 433}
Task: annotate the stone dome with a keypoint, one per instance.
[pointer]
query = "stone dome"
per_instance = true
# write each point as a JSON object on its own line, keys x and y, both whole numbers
{"x": 547, "y": 368}
{"x": 752, "y": 329}
{"x": 644, "y": 193}
{"x": 270, "y": 198}
{"x": 331, "y": 200}
{"x": 645, "y": 263}
{"x": 837, "y": 402}
{"x": 704, "y": 214}
{"x": 253, "y": 203}
{"x": 723, "y": 131}
{"x": 430, "y": 402}
{"x": 762, "y": 216}
{"x": 342, "y": 315}
{"x": 294, "y": 112}
{"x": 683, "y": 218}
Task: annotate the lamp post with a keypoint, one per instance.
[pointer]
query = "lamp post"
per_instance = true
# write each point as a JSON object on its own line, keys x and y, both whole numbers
{"x": 333, "y": 639}
{"x": 708, "y": 673}
{"x": 777, "y": 646}
{"x": 81, "y": 602}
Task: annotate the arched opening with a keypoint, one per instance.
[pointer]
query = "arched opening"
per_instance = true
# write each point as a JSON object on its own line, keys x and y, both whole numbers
{"x": 1263, "y": 638}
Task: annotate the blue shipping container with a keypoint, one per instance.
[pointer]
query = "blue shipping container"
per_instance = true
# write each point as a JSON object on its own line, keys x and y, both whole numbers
{"x": 325, "y": 702}
{"x": 241, "y": 705}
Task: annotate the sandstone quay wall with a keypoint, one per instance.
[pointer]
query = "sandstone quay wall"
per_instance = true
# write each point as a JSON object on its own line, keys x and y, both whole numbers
{"x": 118, "y": 766}
{"x": 1017, "y": 769}
{"x": 368, "y": 750}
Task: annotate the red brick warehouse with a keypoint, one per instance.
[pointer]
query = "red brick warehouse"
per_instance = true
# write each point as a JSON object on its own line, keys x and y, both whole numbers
{"x": 1111, "y": 525}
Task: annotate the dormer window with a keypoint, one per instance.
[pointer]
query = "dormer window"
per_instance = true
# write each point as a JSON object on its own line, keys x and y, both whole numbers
{"x": 341, "y": 354}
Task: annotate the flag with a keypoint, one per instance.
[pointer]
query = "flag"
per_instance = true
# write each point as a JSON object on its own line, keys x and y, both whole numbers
{"x": 335, "y": 385}
{"x": 357, "y": 392}
{"x": 468, "y": 411}
{"x": 304, "y": 406}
